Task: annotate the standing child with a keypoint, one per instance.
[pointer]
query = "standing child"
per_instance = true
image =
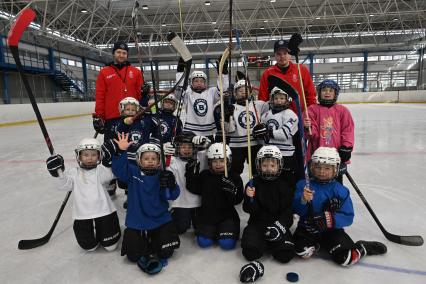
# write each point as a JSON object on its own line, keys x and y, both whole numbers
{"x": 331, "y": 124}
{"x": 199, "y": 101}
{"x": 238, "y": 137}
{"x": 325, "y": 209}
{"x": 268, "y": 199}
{"x": 278, "y": 127}
{"x": 94, "y": 214}
{"x": 185, "y": 206}
{"x": 168, "y": 120}
{"x": 150, "y": 237}
{"x": 217, "y": 218}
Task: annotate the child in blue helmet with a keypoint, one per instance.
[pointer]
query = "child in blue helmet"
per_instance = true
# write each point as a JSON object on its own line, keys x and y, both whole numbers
{"x": 331, "y": 124}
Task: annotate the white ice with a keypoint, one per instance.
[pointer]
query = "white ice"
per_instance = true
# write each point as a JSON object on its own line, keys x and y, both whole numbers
{"x": 389, "y": 165}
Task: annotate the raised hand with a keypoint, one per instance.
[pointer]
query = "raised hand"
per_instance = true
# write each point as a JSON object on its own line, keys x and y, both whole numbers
{"x": 122, "y": 141}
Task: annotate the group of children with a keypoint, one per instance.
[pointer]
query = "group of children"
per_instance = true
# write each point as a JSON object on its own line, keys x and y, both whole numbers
{"x": 196, "y": 189}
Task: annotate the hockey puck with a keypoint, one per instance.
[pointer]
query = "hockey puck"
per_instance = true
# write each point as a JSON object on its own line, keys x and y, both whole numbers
{"x": 292, "y": 277}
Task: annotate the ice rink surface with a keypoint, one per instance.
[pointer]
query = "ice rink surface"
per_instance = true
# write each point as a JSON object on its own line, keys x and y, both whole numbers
{"x": 388, "y": 164}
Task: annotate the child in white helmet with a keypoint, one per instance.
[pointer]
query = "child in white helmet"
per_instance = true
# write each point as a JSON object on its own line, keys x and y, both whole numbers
{"x": 217, "y": 219}
{"x": 331, "y": 124}
{"x": 325, "y": 209}
{"x": 278, "y": 127}
{"x": 199, "y": 101}
{"x": 95, "y": 216}
{"x": 237, "y": 132}
{"x": 268, "y": 199}
{"x": 150, "y": 237}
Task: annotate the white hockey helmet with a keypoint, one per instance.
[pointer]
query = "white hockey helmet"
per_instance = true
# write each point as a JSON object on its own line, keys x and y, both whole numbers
{"x": 327, "y": 156}
{"x": 88, "y": 144}
{"x": 197, "y": 74}
{"x": 269, "y": 152}
{"x": 240, "y": 97}
{"x": 239, "y": 84}
{"x": 170, "y": 98}
{"x": 275, "y": 91}
{"x": 147, "y": 147}
{"x": 126, "y": 101}
{"x": 215, "y": 151}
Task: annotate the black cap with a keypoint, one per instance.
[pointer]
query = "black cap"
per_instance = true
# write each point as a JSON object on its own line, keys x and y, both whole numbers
{"x": 281, "y": 44}
{"x": 120, "y": 45}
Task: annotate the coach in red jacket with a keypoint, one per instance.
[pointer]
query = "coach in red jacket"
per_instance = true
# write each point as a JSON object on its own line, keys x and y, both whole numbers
{"x": 115, "y": 82}
{"x": 287, "y": 71}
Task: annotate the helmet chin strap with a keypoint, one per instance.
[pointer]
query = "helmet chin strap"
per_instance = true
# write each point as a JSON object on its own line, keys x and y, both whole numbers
{"x": 198, "y": 91}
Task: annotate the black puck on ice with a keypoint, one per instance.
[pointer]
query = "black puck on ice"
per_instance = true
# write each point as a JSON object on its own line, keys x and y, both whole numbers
{"x": 292, "y": 277}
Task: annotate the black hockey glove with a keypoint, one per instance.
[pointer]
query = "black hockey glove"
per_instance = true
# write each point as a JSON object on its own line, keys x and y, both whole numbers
{"x": 294, "y": 42}
{"x": 343, "y": 168}
{"x": 180, "y": 65}
{"x": 333, "y": 205}
{"x": 275, "y": 232}
{"x": 98, "y": 124}
{"x": 260, "y": 131}
{"x": 109, "y": 149}
{"x": 229, "y": 111}
{"x": 225, "y": 66}
{"x": 345, "y": 153}
{"x": 324, "y": 221}
{"x": 145, "y": 89}
{"x": 54, "y": 163}
{"x": 192, "y": 167}
{"x": 167, "y": 180}
{"x": 251, "y": 271}
{"x": 229, "y": 186}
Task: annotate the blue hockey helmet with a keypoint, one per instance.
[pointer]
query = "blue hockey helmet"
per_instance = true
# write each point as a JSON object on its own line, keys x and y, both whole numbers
{"x": 331, "y": 84}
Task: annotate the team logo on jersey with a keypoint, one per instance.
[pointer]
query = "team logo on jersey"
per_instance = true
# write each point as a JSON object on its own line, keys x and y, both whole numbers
{"x": 200, "y": 107}
{"x": 272, "y": 123}
{"x": 294, "y": 78}
{"x": 242, "y": 119}
{"x": 131, "y": 74}
{"x": 135, "y": 136}
{"x": 164, "y": 127}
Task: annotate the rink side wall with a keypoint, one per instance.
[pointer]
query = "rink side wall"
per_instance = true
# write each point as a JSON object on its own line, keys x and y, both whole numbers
{"x": 16, "y": 114}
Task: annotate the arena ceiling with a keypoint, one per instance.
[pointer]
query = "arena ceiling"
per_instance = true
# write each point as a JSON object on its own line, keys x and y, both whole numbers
{"x": 326, "y": 25}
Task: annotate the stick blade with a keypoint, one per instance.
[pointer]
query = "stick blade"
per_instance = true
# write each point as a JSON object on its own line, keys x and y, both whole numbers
{"x": 23, "y": 21}
{"x": 30, "y": 244}
{"x": 405, "y": 240}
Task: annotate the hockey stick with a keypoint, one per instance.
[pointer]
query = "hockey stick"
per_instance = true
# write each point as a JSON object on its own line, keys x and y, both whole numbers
{"x": 294, "y": 42}
{"x": 222, "y": 107}
{"x": 403, "y": 240}
{"x": 23, "y": 21}
{"x": 135, "y": 33}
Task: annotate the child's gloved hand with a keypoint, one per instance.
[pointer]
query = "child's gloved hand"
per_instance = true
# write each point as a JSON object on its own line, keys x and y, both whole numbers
{"x": 228, "y": 186}
{"x": 167, "y": 179}
{"x": 54, "y": 163}
{"x": 275, "y": 232}
{"x": 98, "y": 124}
{"x": 201, "y": 141}
{"x": 169, "y": 149}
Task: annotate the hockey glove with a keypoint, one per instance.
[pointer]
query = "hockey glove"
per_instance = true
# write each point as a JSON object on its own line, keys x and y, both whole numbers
{"x": 260, "y": 131}
{"x": 225, "y": 66}
{"x": 167, "y": 180}
{"x": 98, "y": 124}
{"x": 251, "y": 271}
{"x": 343, "y": 168}
{"x": 180, "y": 65}
{"x": 275, "y": 232}
{"x": 229, "y": 111}
{"x": 169, "y": 149}
{"x": 294, "y": 42}
{"x": 333, "y": 205}
{"x": 345, "y": 153}
{"x": 54, "y": 163}
{"x": 145, "y": 89}
{"x": 228, "y": 186}
{"x": 192, "y": 167}
{"x": 324, "y": 221}
{"x": 201, "y": 141}
{"x": 109, "y": 149}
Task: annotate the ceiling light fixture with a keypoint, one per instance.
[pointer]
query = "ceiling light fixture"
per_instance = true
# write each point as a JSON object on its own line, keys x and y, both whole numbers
{"x": 145, "y": 7}
{"x": 163, "y": 24}
{"x": 214, "y": 23}
{"x": 273, "y": 1}
{"x": 84, "y": 11}
{"x": 207, "y": 3}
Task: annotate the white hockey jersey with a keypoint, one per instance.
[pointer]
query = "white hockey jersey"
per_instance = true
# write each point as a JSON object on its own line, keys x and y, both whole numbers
{"x": 90, "y": 197}
{"x": 284, "y": 125}
{"x": 199, "y": 108}
{"x": 238, "y": 138}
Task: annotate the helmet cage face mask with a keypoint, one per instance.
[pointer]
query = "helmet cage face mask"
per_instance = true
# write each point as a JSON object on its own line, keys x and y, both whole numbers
{"x": 215, "y": 152}
{"x": 325, "y": 156}
{"x": 129, "y": 100}
{"x": 181, "y": 149}
{"x": 194, "y": 75}
{"x": 269, "y": 175}
{"x": 279, "y": 107}
{"x": 88, "y": 144}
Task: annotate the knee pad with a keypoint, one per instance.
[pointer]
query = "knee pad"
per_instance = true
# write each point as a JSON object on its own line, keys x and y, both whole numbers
{"x": 284, "y": 255}
{"x": 204, "y": 242}
{"x": 111, "y": 247}
{"x": 227, "y": 243}
{"x": 251, "y": 254}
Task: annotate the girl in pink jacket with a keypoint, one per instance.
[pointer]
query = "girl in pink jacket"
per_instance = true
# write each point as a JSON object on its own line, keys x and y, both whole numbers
{"x": 331, "y": 124}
